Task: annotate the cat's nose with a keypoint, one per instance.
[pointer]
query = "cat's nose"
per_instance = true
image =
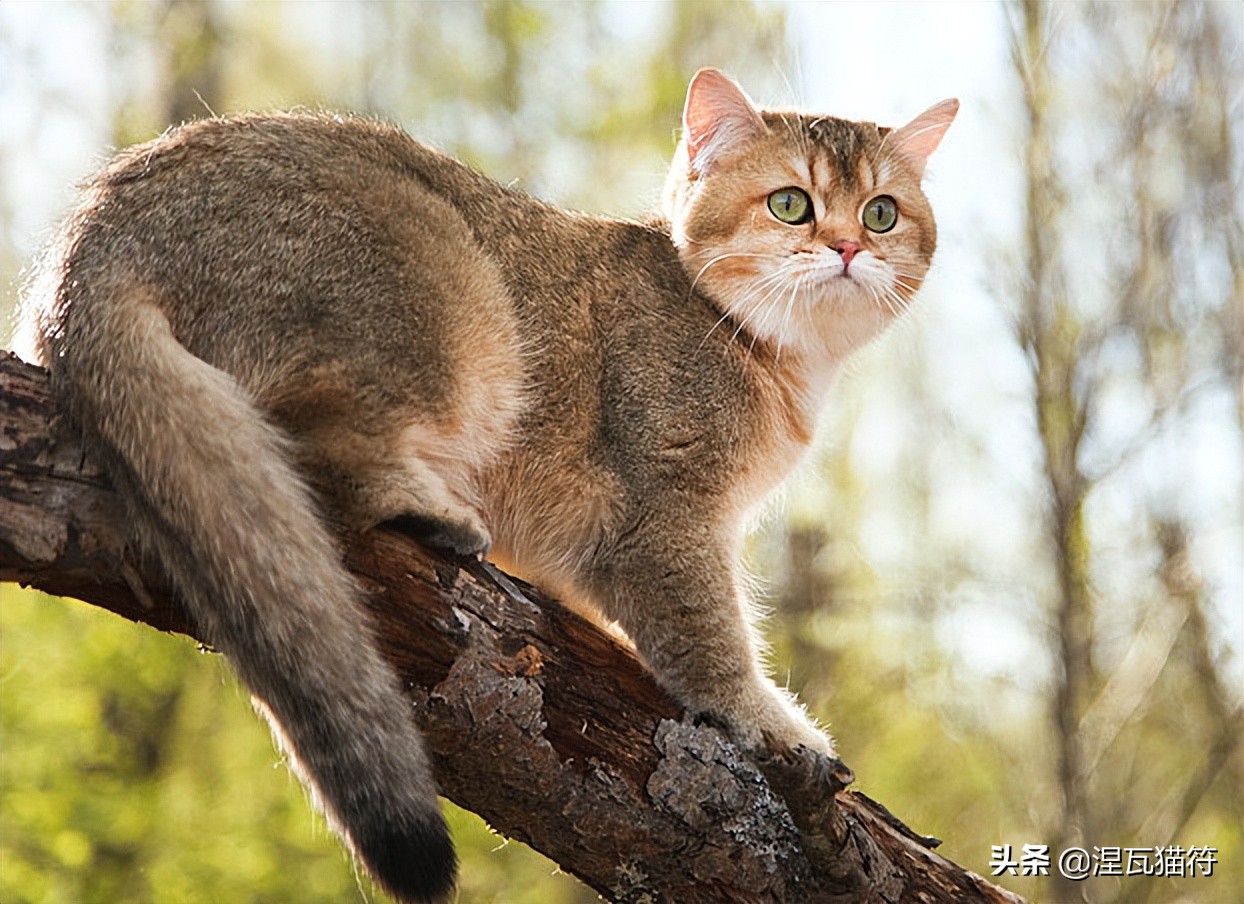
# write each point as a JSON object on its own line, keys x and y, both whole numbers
{"x": 847, "y": 249}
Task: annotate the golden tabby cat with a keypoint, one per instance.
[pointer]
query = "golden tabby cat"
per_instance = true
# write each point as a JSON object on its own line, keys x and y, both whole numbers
{"x": 271, "y": 328}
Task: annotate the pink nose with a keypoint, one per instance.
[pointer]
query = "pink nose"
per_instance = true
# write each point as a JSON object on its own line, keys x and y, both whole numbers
{"x": 846, "y": 248}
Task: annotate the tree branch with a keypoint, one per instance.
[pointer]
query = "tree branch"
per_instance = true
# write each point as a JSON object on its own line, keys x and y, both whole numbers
{"x": 536, "y": 720}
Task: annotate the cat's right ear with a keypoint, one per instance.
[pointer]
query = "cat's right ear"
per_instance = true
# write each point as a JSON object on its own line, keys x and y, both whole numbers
{"x": 717, "y": 118}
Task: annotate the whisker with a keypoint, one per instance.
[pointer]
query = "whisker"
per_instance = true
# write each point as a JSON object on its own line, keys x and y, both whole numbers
{"x": 721, "y": 257}
{"x": 798, "y": 133}
{"x": 903, "y": 284}
{"x": 896, "y": 303}
{"x": 795, "y": 289}
{"x": 771, "y": 299}
{"x": 772, "y": 286}
{"x": 716, "y": 260}
{"x": 767, "y": 285}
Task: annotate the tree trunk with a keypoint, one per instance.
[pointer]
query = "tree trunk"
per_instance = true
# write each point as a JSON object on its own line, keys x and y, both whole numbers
{"x": 537, "y": 720}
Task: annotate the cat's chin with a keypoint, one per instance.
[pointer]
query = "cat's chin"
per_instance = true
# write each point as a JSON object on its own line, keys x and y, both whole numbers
{"x": 809, "y": 303}
{"x": 828, "y": 317}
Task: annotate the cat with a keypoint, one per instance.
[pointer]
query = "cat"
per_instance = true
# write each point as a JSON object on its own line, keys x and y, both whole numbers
{"x": 271, "y": 329}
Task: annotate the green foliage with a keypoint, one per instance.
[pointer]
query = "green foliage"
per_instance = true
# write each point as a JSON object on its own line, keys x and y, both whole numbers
{"x": 134, "y": 770}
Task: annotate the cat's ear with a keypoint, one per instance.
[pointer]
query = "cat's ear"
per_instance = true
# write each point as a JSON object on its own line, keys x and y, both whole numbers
{"x": 717, "y": 118}
{"x": 918, "y": 139}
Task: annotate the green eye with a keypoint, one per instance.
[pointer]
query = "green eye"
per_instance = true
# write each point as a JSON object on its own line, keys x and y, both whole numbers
{"x": 880, "y": 214}
{"x": 791, "y": 205}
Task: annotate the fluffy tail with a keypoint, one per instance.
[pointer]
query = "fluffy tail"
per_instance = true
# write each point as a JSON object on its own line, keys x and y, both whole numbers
{"x": 214, "y": 496}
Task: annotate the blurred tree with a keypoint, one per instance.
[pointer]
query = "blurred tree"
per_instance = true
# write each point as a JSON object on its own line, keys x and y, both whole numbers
{"x": 190, "y": 59}
{"x": 1126, "y": 302}
{"x": 1130, "y": 268}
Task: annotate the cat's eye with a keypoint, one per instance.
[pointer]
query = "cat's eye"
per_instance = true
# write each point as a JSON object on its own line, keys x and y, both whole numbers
{"x": 880, "y": 214}
{"x": 791, "y": 205}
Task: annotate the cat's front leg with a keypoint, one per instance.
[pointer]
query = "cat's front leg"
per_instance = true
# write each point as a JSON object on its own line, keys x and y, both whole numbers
{"x": 684, "y": 608}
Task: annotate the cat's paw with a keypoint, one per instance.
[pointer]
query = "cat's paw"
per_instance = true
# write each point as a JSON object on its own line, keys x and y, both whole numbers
{"x": 461, "y": 536}
{"x": 804, "y": 771}
{"x": 804, "y": 758}
{"x": 785, "y": 727}
{"x": 713, "y": 720}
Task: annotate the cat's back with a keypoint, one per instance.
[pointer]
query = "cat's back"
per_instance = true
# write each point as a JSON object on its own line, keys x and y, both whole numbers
{"x": 291, "y": 207}
{"x": 285, "y": 244}
{"x": 266, "y": 149}
{"x": 269, "y": 177}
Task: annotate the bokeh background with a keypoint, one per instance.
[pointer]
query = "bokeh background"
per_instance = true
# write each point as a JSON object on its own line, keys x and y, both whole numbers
{"x": 1009, "y": 578}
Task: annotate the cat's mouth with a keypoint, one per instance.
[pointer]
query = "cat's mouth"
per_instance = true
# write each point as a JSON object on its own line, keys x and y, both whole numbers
{"x": 856, "y": 279}
{"x": 830, "y": 267}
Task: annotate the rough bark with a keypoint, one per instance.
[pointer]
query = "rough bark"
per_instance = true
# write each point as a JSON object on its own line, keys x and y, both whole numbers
{"x": 537, "y": 720}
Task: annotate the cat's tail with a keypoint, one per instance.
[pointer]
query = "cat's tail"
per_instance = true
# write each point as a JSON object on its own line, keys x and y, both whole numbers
{"x": 214, "y": 495}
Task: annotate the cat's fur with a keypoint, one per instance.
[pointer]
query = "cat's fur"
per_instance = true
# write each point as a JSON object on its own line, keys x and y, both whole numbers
{"x": 271, "y": 328}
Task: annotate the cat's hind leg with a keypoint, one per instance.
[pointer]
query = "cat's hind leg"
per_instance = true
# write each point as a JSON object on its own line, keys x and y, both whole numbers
{"x": 414, "y": 499}
{"x": 406, "y": 484}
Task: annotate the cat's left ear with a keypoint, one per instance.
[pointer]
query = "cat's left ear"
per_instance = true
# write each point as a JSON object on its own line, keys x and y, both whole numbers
{"x": 919, "y": 138}
{"x": 717, "y": 119}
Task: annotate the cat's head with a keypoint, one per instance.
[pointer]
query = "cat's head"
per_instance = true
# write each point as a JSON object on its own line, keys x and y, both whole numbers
{"x": 809, "y": 231}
